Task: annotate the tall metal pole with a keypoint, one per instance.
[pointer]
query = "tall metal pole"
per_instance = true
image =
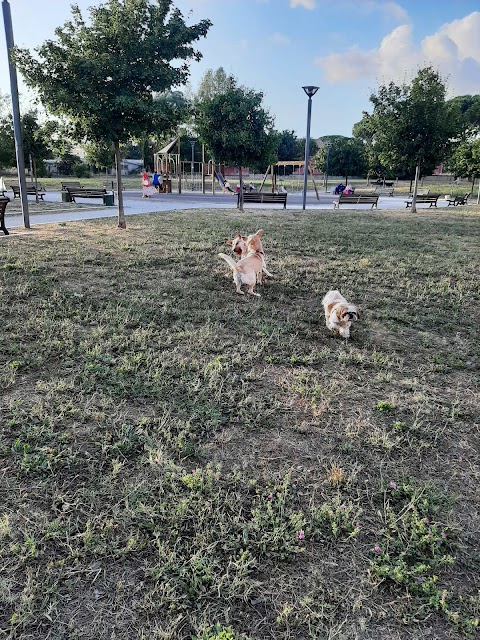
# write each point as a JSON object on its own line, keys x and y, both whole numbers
{"x": 7, "y": 19}
{"x": 192, "y": 165}
{"x": 326, "y": 171}
{"x": 310, "y": 91}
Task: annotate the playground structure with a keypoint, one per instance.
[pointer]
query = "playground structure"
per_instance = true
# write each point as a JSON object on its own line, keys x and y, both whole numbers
{"x": 186, "y": 175}
{"x": 205, "y": 175}
{"x": 294, "y": 180}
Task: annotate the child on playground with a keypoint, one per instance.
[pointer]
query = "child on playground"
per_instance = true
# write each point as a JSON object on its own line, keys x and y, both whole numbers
{"x": 145, "y": 183}
{"x": 157, "y": 182}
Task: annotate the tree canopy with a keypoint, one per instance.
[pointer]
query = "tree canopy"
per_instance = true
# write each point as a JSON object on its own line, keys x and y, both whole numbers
{"x": 290, "y": 147}
{"x": 236, "y": 128}
{"x": 214, "y": 83}
{"x": 409, "y": 125}
{"x": 37, "y": 138}
{"x": 464, "y": 162}
{"x": 410, "y": 128}
{"x": 103, "y": 74}
{"x": 345, "y": 158}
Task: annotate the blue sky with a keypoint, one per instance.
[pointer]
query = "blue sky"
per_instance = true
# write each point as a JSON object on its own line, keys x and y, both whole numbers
{"x": 346, "y": 47}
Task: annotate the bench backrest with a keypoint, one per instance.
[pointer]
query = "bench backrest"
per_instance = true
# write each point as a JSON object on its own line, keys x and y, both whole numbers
{"x": 264, "y": 197}
{"x": 431, "y": 197}
{"x": 71, "y": 185}
{"x": 358, "y": 198}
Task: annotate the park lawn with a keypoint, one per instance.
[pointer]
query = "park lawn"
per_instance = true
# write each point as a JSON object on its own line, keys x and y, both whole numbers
{"x": 177, "y": 459}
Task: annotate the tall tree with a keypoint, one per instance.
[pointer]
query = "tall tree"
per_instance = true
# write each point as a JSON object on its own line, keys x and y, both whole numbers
{"x": 346, "y": 158}
{"x": 37, "y": 139}
{"x": 102, "y": 74}
{"x": 464, "y": 161}
{"x": 214, "y": 83}
{"x": 465, "y": 112}
{"x": 237, "y": 129}
{"x": 411, "y": 125}
{"x": 101, "y": 156}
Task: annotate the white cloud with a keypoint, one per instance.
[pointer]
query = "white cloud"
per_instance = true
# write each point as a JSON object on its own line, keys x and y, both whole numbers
{"x": 280, "y": 39}
{"x": 389, "y": 9}
{"x": 306, "y": 4}
{"x": 454, "y": 50}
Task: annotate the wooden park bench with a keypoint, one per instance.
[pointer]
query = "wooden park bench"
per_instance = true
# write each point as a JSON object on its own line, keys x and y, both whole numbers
{"x": 430, "y": 199}
{"x": 32, "y": 190}
{"x": 264, "y": 198}
{"x": 456, "y": 200}
{"x": 86, "y": 193}
{"x": 384, "y": 191}
{"x": 71, "y": 185}
{"x": 3, "y": 205}
{"x": 357, "y": 198}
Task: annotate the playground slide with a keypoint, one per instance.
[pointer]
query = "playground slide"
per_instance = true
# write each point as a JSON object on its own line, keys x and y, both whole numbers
{"x": 220, "y": 178}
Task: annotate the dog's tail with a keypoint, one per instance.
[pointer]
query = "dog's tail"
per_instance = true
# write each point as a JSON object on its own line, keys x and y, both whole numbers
{"x": 231, "y": 262}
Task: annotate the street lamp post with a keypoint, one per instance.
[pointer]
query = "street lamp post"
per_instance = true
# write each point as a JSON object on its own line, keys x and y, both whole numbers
{"x": 192, "y": 166}
{"x": 310, "y": 91}
{"x": 7, "y": 19}
{"x": 329, "y": 145}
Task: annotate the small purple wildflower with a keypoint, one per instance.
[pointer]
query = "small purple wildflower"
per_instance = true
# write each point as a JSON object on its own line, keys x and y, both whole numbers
{"x": 377, "y": 549}
{"x": 426, "y": 520}
{"x": 439, "y": 542}
{"x": 419, "y": 579}
{"x": 269, "y": 497}
{"x": 393, "y": 485}
{"x": 342, "y": 506}
{"x": 443, "y": 534}
{"x": 301, "y": 535}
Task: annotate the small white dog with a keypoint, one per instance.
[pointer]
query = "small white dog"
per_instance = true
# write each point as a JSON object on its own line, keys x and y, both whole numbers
{"x": 339, "y": 313}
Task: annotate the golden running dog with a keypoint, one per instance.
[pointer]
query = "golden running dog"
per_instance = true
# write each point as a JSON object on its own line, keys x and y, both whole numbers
{"x": 339, "y": 313}
{"x": 249, "y": 268}
{"x": 239, "y": 246}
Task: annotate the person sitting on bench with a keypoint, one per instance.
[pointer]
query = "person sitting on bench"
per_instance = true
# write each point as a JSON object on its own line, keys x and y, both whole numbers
{"x": 227, "y": 187}
{"x": 340, "y": 188}
{"x": 348, "y": 189}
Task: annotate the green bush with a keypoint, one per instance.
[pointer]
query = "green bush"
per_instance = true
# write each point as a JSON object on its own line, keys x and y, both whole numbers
{"x": 81, "y": 170}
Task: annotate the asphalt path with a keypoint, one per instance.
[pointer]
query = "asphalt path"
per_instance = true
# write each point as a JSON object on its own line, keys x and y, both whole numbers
{"x": 134, "y": 204}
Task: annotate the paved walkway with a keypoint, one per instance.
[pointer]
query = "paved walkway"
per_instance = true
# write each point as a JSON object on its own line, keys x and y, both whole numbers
{"x": 136, "y": 205}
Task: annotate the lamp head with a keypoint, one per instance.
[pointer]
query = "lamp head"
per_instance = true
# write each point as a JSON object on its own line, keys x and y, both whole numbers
{"x": 310, "y": 91}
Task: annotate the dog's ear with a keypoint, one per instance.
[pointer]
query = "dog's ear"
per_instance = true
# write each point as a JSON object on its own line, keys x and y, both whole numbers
{"x": 357, "y": 311}
{"x": 340, "y": 310}
{"x": 259, "y": 233}
{"x": 244, "y": 238}
{"x": 238, "y": 236}
{"x": 229, "y": 242}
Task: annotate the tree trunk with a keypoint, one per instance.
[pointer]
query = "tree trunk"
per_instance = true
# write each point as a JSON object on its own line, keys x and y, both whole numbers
{"x": 411, "y": 182}
{"x": 35, "y": 177}
{"x": 240, "y": 195}
{"x": 415, "y": 188}
{"x": 118, "y": 168}
{"x": 346, "y": 180}
{"x": 478, "y": 195}
{"x": 473, "y": 185}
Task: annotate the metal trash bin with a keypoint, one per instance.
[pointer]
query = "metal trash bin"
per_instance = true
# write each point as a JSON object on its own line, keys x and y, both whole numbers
{"x": 108, "y": 199}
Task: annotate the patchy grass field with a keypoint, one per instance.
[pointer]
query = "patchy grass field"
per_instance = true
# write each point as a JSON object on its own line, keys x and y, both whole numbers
{"x": 179, "y": 462}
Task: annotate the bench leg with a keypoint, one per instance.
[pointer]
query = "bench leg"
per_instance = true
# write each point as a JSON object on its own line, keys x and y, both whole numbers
{"x": 3, "y": 227}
